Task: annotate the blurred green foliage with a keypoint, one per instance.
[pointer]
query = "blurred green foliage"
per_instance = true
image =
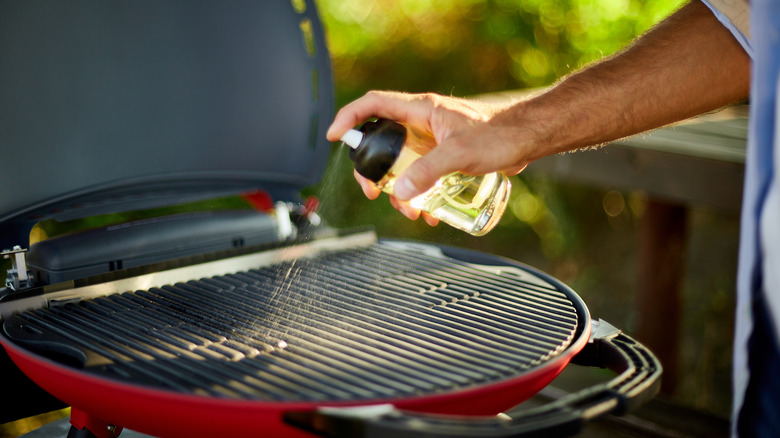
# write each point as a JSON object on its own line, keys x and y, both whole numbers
{"x": 463, "y": 47}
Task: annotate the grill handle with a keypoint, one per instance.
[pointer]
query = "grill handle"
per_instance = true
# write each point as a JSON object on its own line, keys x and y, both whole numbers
{"x": 637, "y": 381}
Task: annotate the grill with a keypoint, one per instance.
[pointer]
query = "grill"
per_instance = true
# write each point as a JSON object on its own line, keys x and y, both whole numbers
{"x": 236, "y": 321}
{"x": 376, "y": 322}
{"x": 340, "y": 336}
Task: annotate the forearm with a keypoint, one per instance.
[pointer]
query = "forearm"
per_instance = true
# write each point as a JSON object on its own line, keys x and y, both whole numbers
{"x": 687, "y": 65}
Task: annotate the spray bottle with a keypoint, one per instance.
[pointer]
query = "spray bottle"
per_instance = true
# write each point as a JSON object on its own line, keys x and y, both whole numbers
{"x": 382, "y": 149}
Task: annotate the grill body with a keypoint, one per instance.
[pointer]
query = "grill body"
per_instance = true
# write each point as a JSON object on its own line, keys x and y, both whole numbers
{"x": 389, "y": 322}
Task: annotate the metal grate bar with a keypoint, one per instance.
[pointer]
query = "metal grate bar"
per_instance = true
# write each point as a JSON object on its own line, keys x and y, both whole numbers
{"x": 463, "y": 289}
{"x": 380, "y": 315}
{"x": 234, "y": 349}
{"x": 544, "y": 299}
{"x": 345, "y": 340}
{"x": 384, "y": 312}
{"x": 313, "y": 351}
{"x": 365, "y": 323}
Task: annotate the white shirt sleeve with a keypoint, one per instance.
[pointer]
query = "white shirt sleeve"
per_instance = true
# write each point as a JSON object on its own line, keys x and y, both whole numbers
{"x": 735, "y": 15}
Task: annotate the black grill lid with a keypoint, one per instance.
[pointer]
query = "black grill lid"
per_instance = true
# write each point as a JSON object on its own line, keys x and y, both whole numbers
{"x": 115, "y": 106}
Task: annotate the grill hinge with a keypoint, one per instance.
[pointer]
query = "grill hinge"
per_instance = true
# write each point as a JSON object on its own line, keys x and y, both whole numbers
{"x": 18, "y": 276}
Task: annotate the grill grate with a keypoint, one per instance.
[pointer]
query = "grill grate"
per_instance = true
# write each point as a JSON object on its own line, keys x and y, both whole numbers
{"x": 374, "y": 322}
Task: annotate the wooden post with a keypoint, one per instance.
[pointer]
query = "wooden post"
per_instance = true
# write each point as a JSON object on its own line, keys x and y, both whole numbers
{"x": 662, "y": 268}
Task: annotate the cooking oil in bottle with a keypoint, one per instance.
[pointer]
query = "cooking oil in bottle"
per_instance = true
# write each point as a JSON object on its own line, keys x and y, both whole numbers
{"x": 382, "y": 149}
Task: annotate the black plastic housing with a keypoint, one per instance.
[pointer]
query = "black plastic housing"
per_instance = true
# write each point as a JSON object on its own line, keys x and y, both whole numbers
{"x": 148, "y": 241}
{"x": 382, "y": 143}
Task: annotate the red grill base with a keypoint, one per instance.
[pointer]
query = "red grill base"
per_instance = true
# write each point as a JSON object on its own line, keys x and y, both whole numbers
{"x": 167, "y": 414}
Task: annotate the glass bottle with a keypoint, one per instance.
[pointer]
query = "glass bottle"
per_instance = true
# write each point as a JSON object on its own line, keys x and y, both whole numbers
{"x": 382, "y": 149}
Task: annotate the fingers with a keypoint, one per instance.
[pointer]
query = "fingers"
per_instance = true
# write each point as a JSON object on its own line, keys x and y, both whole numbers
{"x": 368, "y": 187}
{"x": 405, "y": 209}
{"x": 401, "y": 107}
{"x": 371, "y": 192}
{"x": 430, "y": 220}
{"x": 449, "y": 156}
{"x": 411, "y": 212}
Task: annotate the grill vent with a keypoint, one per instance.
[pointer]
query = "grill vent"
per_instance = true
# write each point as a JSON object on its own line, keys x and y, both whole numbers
{"x": 375, "y": 322}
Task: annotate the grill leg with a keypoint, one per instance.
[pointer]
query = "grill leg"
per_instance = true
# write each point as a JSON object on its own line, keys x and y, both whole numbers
{"x": 84, "y": 425}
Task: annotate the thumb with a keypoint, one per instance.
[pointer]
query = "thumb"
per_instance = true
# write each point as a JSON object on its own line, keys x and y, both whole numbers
{"x": 423, "y": 173}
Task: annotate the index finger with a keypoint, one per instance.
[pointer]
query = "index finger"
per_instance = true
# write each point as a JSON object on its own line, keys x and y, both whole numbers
{"x": 400, "y": 107}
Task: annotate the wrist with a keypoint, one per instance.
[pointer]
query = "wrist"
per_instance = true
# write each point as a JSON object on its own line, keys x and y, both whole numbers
{"x": 533, "y": 128}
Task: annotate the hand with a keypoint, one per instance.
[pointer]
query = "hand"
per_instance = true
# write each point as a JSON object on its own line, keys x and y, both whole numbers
{"x": 462, "y": 131}
{"x": 371, "y": 192}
